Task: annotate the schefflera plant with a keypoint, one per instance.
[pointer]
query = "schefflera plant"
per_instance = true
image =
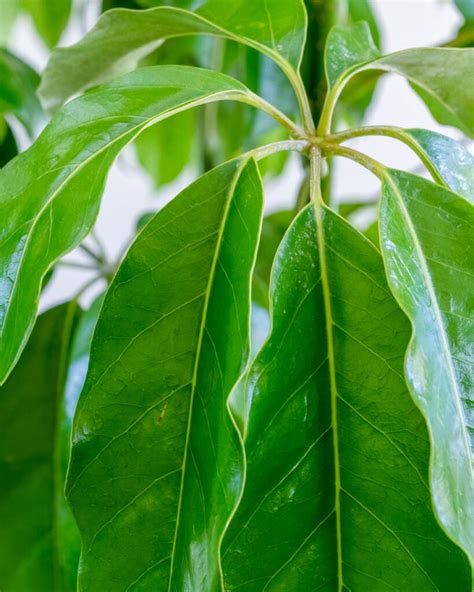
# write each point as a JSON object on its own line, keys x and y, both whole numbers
{"x": 340, "y": 458}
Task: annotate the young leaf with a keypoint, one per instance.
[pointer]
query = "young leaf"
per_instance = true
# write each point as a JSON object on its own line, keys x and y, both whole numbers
{"x": 428, "y": 244}
{"x": 50, "y": 18}
{"x": 51, "y": 193}
{"x": 336, "y": 494}
{"x": 157, "y": 461}
{"x": 122, "y": 37}
{"x": 437, "y": 74}
{"x": 38, "y": 537}
{"x": 18, "y": 83}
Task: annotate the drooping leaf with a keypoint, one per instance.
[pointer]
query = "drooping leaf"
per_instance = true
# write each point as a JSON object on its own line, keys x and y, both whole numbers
{"x": 277, "y": 30}
{"x": 273, "y": 229}
{"x": 437, "y": 74}
{"x": 427, "y": 237}
{"x": 18, "y": 83}
{"x": 38, "y": 537}
{"x": 336, "y": 494}
{"x": 453, "y": 161}
{"x": 157, "y": 461}
{"x": 50, "y": 17}
{"x": 51, "y": 193}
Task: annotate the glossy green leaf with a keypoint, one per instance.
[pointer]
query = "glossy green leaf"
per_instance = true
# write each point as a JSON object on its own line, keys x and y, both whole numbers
{"x": 18, "y": 83}
{"x": 437, "y": 74}
{"x": 50, "y": 17}
{"x": 51, "y": 193}
{"x": 277, "y": 30}
{"x": 39, "y": 542}
{"x": 274, "y": 228}
{"x": 336, "y": 494}
{"x": 157, "y": 461}
{"x": 453, "y": 161}
{"x": 427, "y": 236}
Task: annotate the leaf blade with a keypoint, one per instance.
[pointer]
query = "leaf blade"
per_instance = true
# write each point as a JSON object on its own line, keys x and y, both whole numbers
{"x": 438, "y": 373}
{"x": 184, "y": 447}
{"x": 36, "y": 521}
{"x": 146, "y": 29}
{"x": 383, "y": 441}
{"x": 51, "y": 192}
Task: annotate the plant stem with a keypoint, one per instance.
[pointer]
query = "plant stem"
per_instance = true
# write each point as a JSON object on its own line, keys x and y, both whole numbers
{"x": 269, "y": 149}
{"x": 77, "y": 265}
{"x": 92, "y": 254}
{"x": 374, "y": 166}
{"x": 396, "y": 133}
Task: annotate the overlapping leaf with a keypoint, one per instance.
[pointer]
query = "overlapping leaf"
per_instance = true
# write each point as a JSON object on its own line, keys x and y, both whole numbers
{"x": 437, "y": 74}
{"x": 39, "y": 542}
{"x": 157, "y": 460}
{"x": 278, "y": 32}
{"x": 51, "y": 193}
{"x": 18, "y": 83}
{"x": 427, "y": 236}
{"x": 337, "y": 494}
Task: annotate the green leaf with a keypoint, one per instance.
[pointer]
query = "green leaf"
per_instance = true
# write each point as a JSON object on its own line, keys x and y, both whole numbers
{"x": 452, "y": 160}
{"x": 122, "y": 37}
{"x": 51, "y": 193}
{"x": 18, "y": 83}
{"x": 8, "y": 147}
{"x": 336, "y": 494}
{"x": 164, "y": 150}
{"x": 273, "y": 229}
{"x": 428, "y": 244}
{"x": 348, "y": 47}
{"x": 157, "y": 461}
{"x": 437, "y": 74}
{"x": 39, "y": 542}
{"x": 50, "y": 18}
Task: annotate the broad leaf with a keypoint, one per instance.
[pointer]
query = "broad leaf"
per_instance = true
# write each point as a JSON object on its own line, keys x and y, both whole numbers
{"x": 18, "y": 83}
{"x": 122, "y": 37}
{"x": 336, "y": 494}
{"x": 438, "y": 74}
{"x": 427, "y": 236}
{"x": 50, "y": 17}
{"x": 157, "y": 460}
{"x": 38, "y": 538}
{"x": 51, "y": 193}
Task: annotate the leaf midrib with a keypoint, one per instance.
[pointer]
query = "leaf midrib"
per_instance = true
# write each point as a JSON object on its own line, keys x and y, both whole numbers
{"x": 202, "y": 329}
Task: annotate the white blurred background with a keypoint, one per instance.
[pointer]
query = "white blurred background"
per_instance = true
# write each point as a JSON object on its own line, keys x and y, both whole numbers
{"x": 129, "y": 192}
